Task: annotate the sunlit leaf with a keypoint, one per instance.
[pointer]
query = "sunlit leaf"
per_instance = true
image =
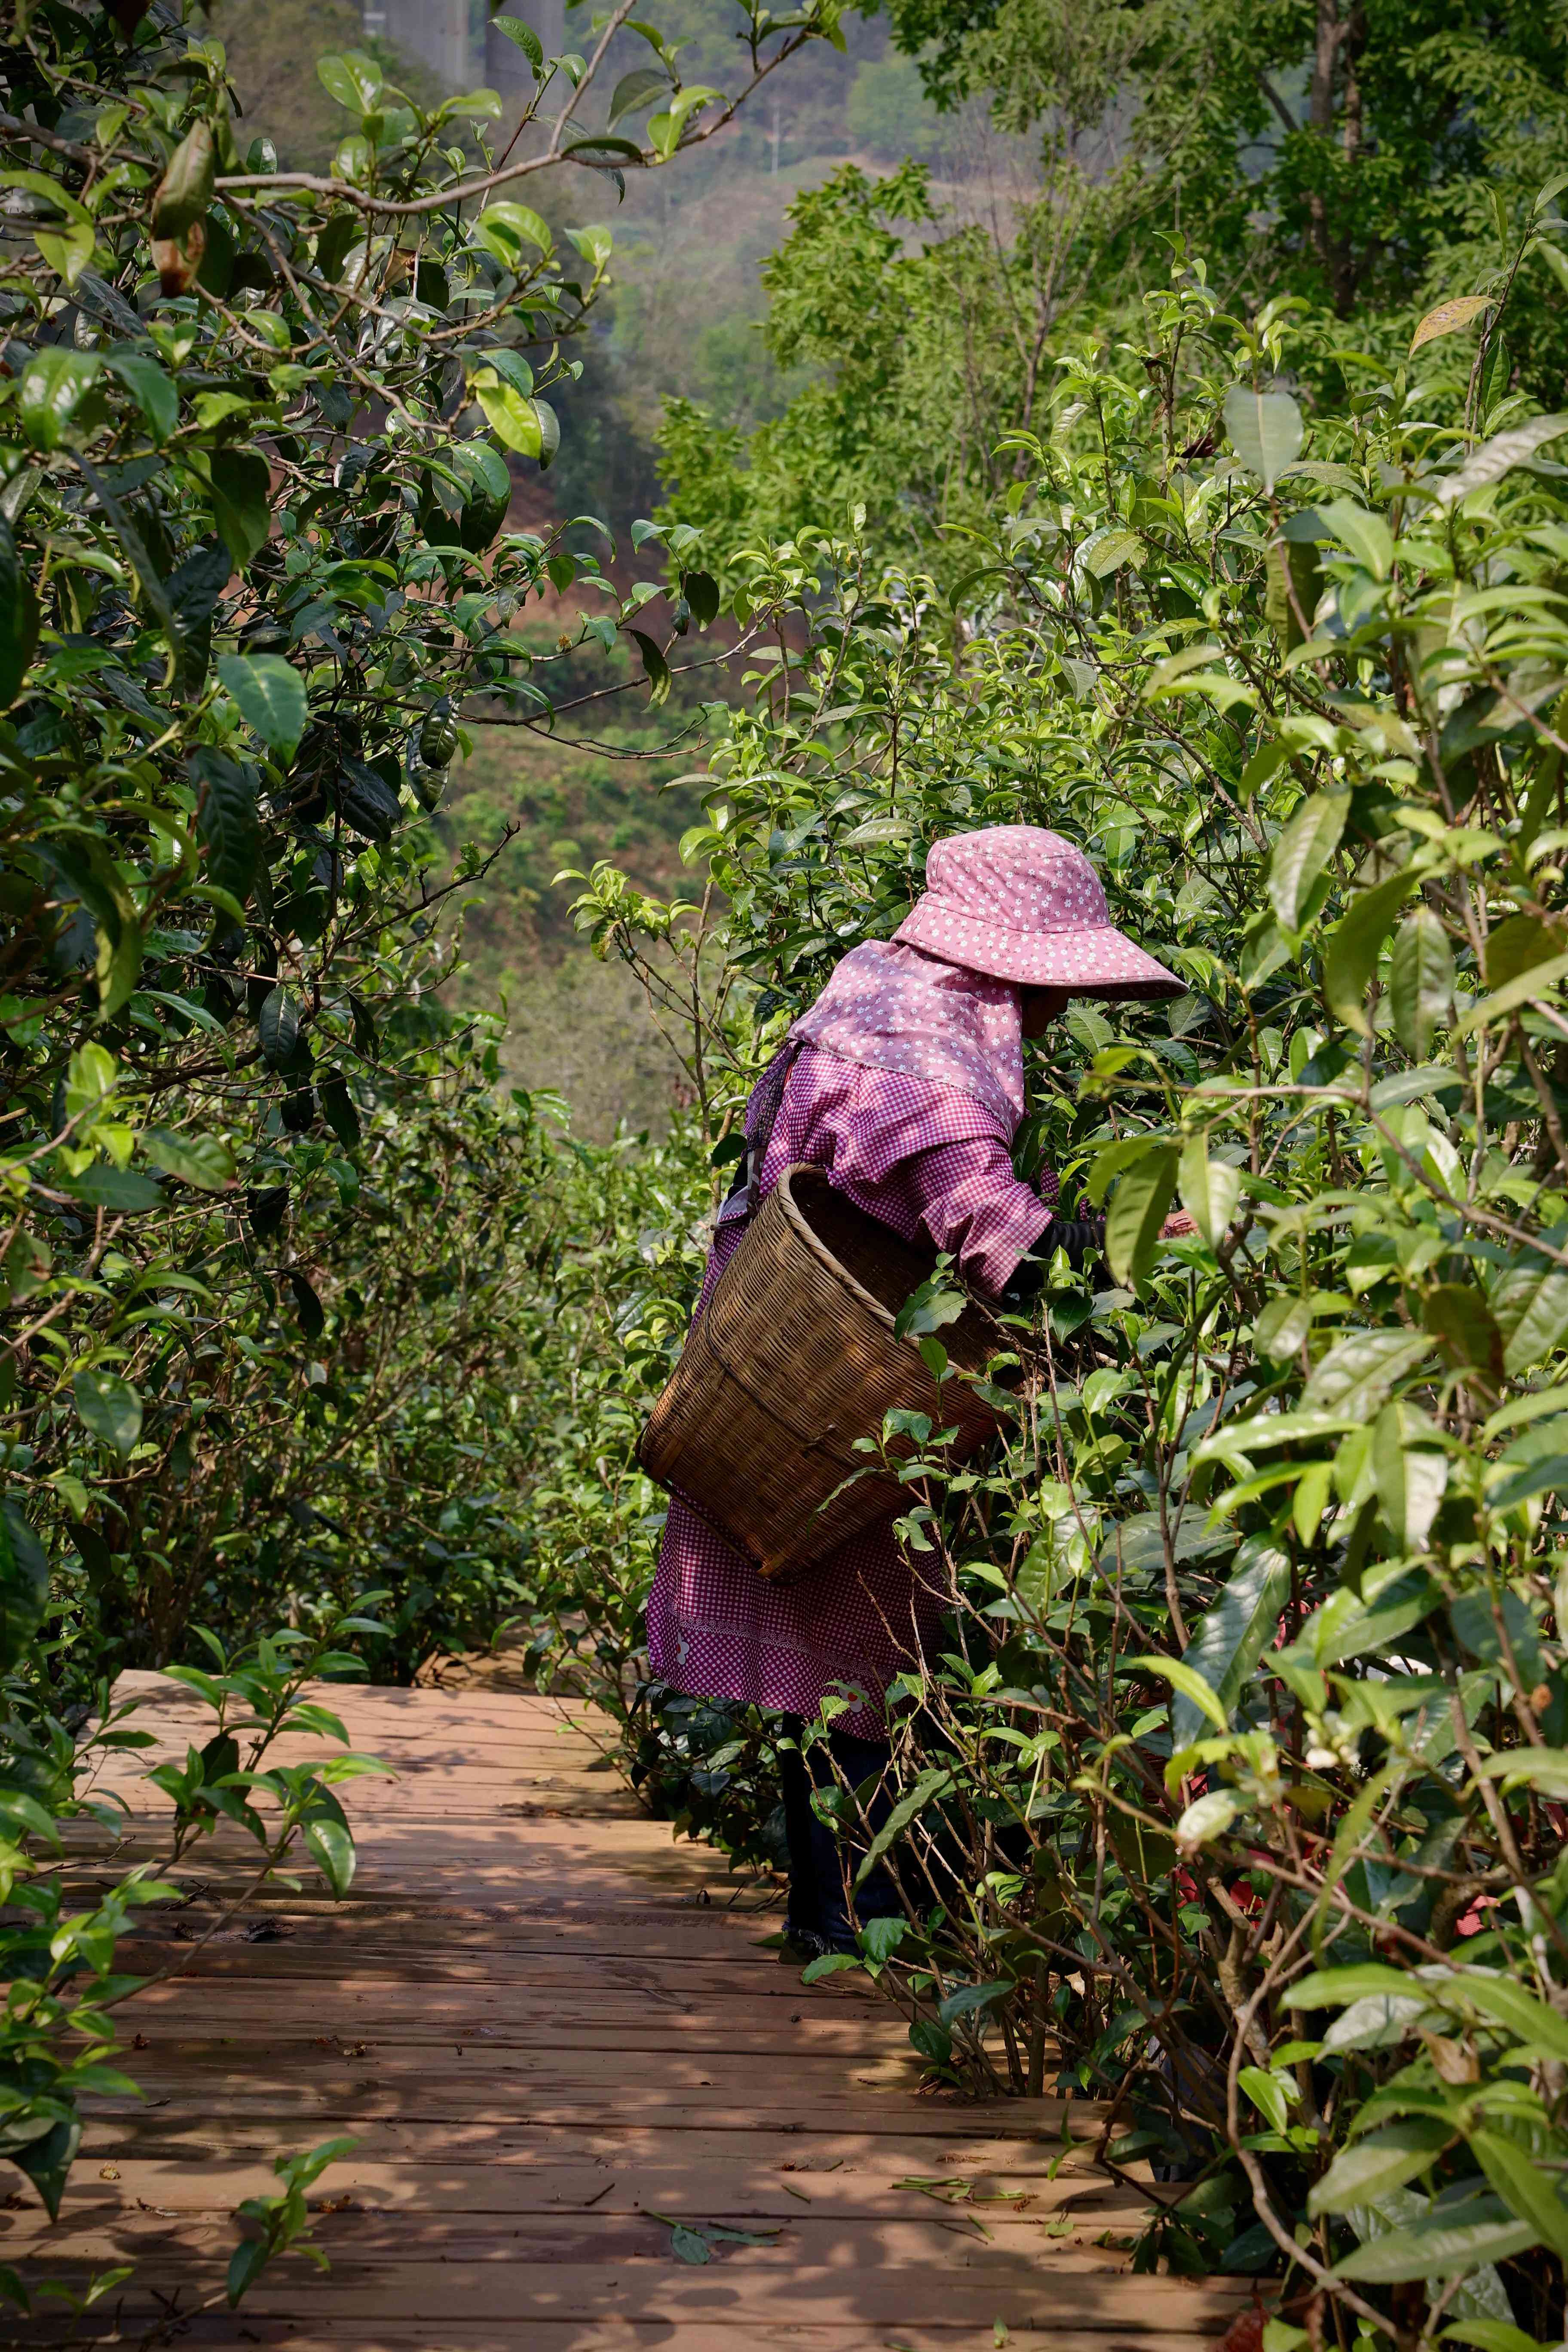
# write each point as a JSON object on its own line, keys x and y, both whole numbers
{"x": 1460, "y": 311}
{"x": 1265, "y": 429}
{"x": 1302, "y": 851}
{"x": 1499, "y": 455}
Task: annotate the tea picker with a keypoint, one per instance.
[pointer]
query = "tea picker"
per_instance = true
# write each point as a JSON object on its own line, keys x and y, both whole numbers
{"x": 879, "y": 1136}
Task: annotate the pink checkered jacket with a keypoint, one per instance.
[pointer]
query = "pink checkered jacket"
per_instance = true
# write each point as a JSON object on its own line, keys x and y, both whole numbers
{"x": 935, "y": 1164}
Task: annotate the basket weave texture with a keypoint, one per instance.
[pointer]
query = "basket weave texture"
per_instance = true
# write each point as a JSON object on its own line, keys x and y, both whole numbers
{"x": 793, "y": 1357}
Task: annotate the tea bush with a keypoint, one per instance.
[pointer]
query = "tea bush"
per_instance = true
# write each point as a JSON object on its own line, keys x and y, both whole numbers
{"x": 1236, "y": 1797}
{"x": 280, "y": 1253}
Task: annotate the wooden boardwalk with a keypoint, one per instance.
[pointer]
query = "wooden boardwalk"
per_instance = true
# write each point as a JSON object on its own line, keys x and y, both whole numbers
{"x": 556, "y": 2035}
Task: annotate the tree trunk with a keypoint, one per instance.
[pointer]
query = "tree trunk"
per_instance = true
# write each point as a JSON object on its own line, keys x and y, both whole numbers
{"x": 1339, "y": 39}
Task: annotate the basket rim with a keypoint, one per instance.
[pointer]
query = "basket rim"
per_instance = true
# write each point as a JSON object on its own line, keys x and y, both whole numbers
{"x": 784, "y": 1190}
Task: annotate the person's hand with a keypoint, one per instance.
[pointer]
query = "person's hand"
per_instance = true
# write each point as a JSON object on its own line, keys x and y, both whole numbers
{"x": 1177, "y": 1227}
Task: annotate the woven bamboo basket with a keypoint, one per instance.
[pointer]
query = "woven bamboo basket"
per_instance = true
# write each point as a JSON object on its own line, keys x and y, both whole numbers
{"x": 793, "y": 1359}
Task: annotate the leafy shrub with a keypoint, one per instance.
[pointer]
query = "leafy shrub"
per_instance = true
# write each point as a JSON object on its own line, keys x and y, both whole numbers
{"x": 275, "y": 1248}
{"x": 1239, "y": 1783}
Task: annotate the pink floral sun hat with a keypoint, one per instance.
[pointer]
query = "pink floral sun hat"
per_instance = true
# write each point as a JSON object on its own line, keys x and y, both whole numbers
{"x": 1019, "y": 903}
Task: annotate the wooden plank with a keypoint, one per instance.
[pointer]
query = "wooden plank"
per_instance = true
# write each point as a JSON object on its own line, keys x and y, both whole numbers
{"x": 357, "y": 2240}
{"x": 743, "y": 2289}
{"x": 871, "y": 2183}
{"x": 220, "y": 2327}
{"x": 535, "y": 1964}
{"x": 546, "y": 2029}
{"x": 747, "y": 2151}
{"x": 175, "y": 2028}
{"x": 312, "y": 2112}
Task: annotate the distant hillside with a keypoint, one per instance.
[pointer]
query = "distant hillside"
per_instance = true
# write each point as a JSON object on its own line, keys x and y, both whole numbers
{"x": 271, "y": 47}
{"x": 680, "y": 320}
{"x": 576, "y": 1023}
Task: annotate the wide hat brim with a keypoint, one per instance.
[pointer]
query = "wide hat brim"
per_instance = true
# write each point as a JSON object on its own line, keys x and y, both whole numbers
{"x": 1090, "y": 960}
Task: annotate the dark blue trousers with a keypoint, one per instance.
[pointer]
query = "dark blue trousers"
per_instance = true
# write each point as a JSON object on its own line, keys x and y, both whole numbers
{"x": 819, "y": 1914}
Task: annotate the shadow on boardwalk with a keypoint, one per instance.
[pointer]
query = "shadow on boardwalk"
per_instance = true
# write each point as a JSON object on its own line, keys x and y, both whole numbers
{"x": 548, "y": 2033}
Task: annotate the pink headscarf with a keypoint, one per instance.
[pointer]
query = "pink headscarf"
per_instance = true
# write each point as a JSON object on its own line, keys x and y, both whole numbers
{"x": 897, "y": 1008}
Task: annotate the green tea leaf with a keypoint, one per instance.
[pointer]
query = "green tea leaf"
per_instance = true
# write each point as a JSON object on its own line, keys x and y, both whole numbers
{"x": 1421, "y": 982}
{"x": 1231, "y": 1636}
{"x": 278, "y": 1025}
{"x": 199, "y": 1160}
{"x": 1529, "y": 1305}
{"x": 1434, "y": 2251}
{"x": 18, "y": 619}
{"x": 56, "y": 393}
{"x": 23, "y": 1585}
{"x": 1357, "y": 1375}
{"x": 1499, "y": 457}
{"x": 48, "y": 2161}
{"x": 271, "y": 698}
{"x": 518, "y": 30}
{"x": 1383, "y": 2160}
{"x": 109, "y": 1408}
{"x": 930, "y": 1787}
{"x": 154, "y": 388}
{"x": 352, "y": 78}
{"x": 1266, "y": 430}
{"x": 228, "y": 824}
{"x": 308, "y": 1306}
{"x": 511, "y": 417}
{"x": 656, "y": 669}
{"x": 1209, "y": 1189}
{"x": 1302, "y": 851}
{"x": 1138, "y": 1207}
{"x": 242, "y": 503}
{"x": 332, "y": 1848}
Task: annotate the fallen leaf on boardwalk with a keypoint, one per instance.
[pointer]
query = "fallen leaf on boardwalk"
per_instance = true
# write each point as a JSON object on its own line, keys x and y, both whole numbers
{"x": 694, "y": 2241}
{"x": 1060, "y": 2227}
{"x": 109, "y": 2172}
{"x": 790, "y": 2190}
{"x": 949, "y": 2192}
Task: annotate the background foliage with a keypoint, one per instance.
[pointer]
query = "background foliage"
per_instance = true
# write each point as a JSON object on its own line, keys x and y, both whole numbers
{"x": 1239, "y": 1783}
{"x": 1153, "y": 507}
{"x": 278, "y": 1248}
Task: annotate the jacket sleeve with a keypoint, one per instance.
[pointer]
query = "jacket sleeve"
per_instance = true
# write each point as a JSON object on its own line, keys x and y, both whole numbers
{"x": 963, "y": 1198}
